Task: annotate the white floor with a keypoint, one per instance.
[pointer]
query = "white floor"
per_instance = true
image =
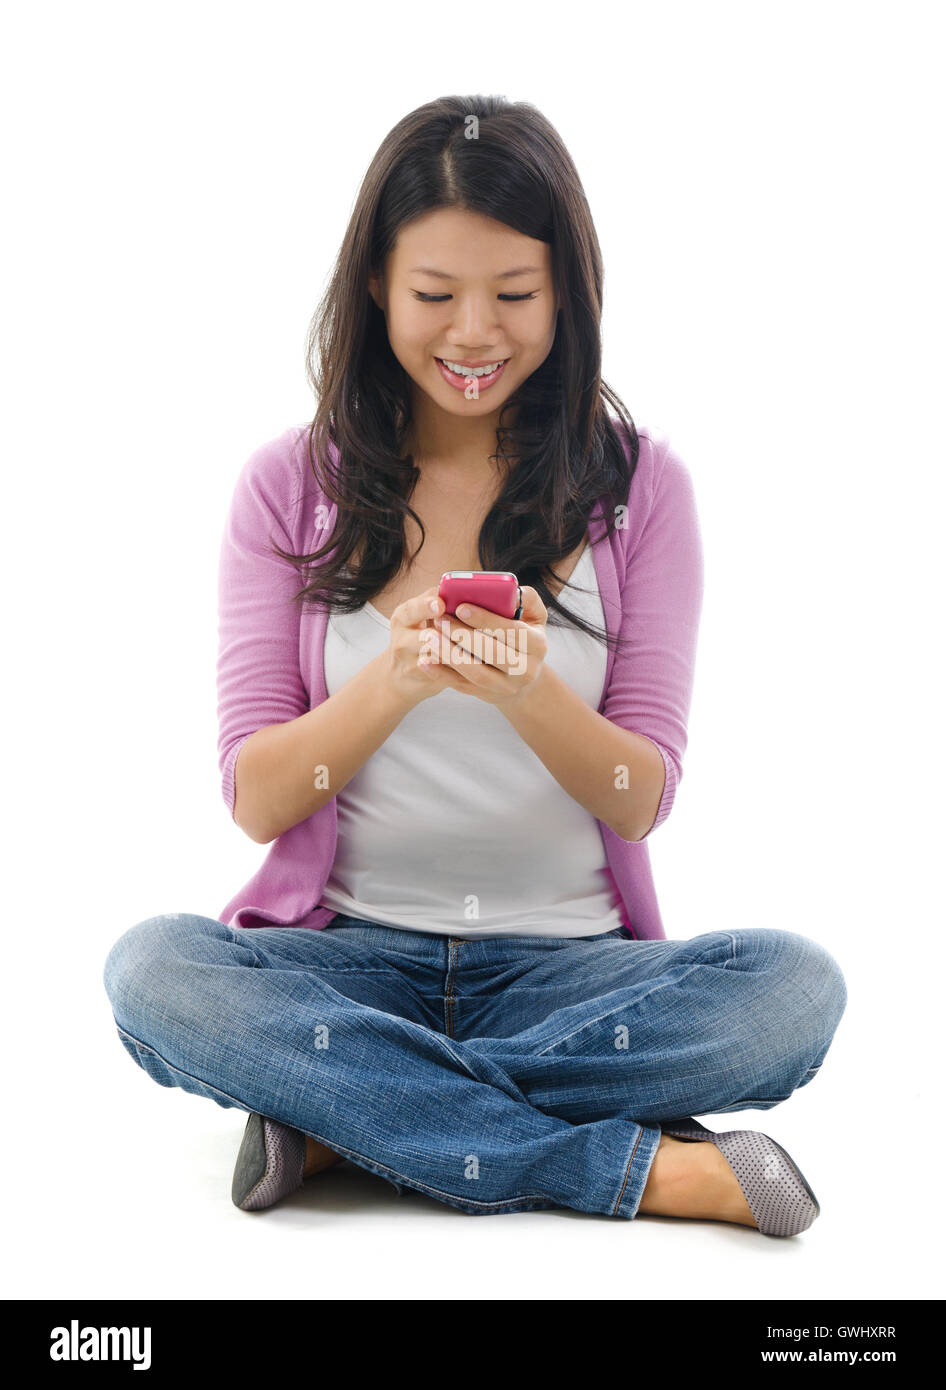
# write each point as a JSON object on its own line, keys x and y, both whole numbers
{"x": 124, "y": 1191}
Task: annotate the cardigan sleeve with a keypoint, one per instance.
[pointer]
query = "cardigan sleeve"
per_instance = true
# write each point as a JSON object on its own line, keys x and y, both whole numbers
{"x": 651, "y": 683}
{"x": 259, "y": 681}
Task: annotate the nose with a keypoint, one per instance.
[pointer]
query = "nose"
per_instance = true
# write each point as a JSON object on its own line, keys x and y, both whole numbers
{"x": 474, "y": 328}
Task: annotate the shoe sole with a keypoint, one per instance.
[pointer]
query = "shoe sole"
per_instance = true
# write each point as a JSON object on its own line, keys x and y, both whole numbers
{"x": 269, "y": 1165}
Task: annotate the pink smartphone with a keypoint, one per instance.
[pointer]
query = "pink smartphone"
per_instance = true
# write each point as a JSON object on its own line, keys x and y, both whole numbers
{"x": 497, "y": 590}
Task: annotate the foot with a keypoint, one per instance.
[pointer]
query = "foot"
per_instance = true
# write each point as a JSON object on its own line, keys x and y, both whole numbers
{"x": 691, "y": 1178}
{"x": 318, "y": 1157}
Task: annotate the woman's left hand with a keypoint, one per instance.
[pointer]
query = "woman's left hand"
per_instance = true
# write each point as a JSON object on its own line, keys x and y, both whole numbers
{"x": 496, "y": 659}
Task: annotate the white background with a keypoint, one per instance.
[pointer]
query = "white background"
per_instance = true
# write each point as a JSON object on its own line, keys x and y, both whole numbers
{"x": 765, "y": 181}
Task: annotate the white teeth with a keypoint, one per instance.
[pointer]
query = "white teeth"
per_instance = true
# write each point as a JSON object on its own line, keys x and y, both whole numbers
{"x": 460, "y": 370}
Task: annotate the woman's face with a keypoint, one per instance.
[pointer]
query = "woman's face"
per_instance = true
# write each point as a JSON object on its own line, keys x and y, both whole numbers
{"x": 462, "y": 289}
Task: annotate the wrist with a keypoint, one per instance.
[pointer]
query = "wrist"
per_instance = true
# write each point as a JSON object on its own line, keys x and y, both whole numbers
{"x": 533, "y": 696}
{"x": 385, "y": 694}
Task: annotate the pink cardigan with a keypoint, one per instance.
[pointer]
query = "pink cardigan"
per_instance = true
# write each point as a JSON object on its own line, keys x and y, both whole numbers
{"x": 270, "y": 669}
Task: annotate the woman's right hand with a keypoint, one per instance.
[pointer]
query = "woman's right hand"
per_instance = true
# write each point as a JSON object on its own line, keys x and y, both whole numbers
{"x": 413, "y": 637}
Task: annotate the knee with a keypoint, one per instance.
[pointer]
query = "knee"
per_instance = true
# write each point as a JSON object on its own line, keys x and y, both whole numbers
{"x": 800, "y": 970}
{"x": 814, "y": 970}
{"x": 144, "y": 957}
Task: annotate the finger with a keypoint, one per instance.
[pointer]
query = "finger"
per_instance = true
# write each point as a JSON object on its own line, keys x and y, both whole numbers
{"x": 472, "y": 672}
{"x": 502, "y": 638}
{"x": 533, "y": 609}
{"x": 503, "y": 650}
{"x": 415, "y": 611}
{"x": 439, "y": 655}
{"x": 474, "y": 616}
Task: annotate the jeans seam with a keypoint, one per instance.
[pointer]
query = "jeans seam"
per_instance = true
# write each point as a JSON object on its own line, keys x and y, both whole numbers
{"x": 380, "y": 1168}
{"x": 587, "y": 1023}
{"x": 617, "y": 1206}
{"x": 453, "y": 956}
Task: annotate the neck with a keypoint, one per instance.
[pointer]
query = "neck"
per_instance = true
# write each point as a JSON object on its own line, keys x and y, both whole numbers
{"x": 449, "y": 442}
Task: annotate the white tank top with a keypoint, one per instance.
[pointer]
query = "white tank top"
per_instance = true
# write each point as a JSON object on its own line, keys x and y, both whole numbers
{"x": 454, "y": 825}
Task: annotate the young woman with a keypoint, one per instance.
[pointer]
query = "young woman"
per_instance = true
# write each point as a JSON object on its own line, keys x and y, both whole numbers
{"x": 451, "y": 967}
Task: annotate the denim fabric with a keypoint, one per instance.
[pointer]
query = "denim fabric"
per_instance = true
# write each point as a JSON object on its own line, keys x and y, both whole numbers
{"x": 496, "y": 1075}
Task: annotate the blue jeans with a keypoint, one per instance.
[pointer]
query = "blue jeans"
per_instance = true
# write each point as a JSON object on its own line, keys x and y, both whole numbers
{"x": 496, "y": 1075}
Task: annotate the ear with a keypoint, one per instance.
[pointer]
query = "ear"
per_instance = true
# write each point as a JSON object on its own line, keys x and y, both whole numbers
{"x": 375, "y": 290}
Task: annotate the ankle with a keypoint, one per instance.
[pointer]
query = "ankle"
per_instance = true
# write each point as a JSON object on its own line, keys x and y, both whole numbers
{"x": 674, "y": 1175}
{"x": 691, "y": 1178}
{"x": 317, "y": 1157}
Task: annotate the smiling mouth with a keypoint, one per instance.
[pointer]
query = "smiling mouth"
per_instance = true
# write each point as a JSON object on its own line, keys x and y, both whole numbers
{"x": 464, "y": 369}
{"x": 459, "y": 375}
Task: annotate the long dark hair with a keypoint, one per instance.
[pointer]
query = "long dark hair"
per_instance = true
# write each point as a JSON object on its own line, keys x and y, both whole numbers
{"x": 567, "y": 452}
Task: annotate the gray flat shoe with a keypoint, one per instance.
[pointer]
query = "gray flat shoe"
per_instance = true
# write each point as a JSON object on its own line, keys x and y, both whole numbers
{"x": 269, "y": 1165}
{"x": 772, "y": 1183}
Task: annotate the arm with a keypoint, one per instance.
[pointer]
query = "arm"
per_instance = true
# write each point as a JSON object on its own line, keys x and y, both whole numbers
{"x": 586, "y": 763}
{"x": 270, "y": 742}
{"x": 651, "y": 685}
{"x": 279, "y": 779}
{"x": 281, "y": 761}
{"x": 623, "y": 764}
{"x": 286, "y": 774}
{"x": 642, "y": 726}
{"x": 259, "y": 682}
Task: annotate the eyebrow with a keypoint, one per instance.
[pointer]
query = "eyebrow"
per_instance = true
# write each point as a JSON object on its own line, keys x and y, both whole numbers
{"x": 503, "y": 275}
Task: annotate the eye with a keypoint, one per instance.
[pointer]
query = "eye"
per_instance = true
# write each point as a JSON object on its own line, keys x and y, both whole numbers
{"x": 441, "y": 298}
